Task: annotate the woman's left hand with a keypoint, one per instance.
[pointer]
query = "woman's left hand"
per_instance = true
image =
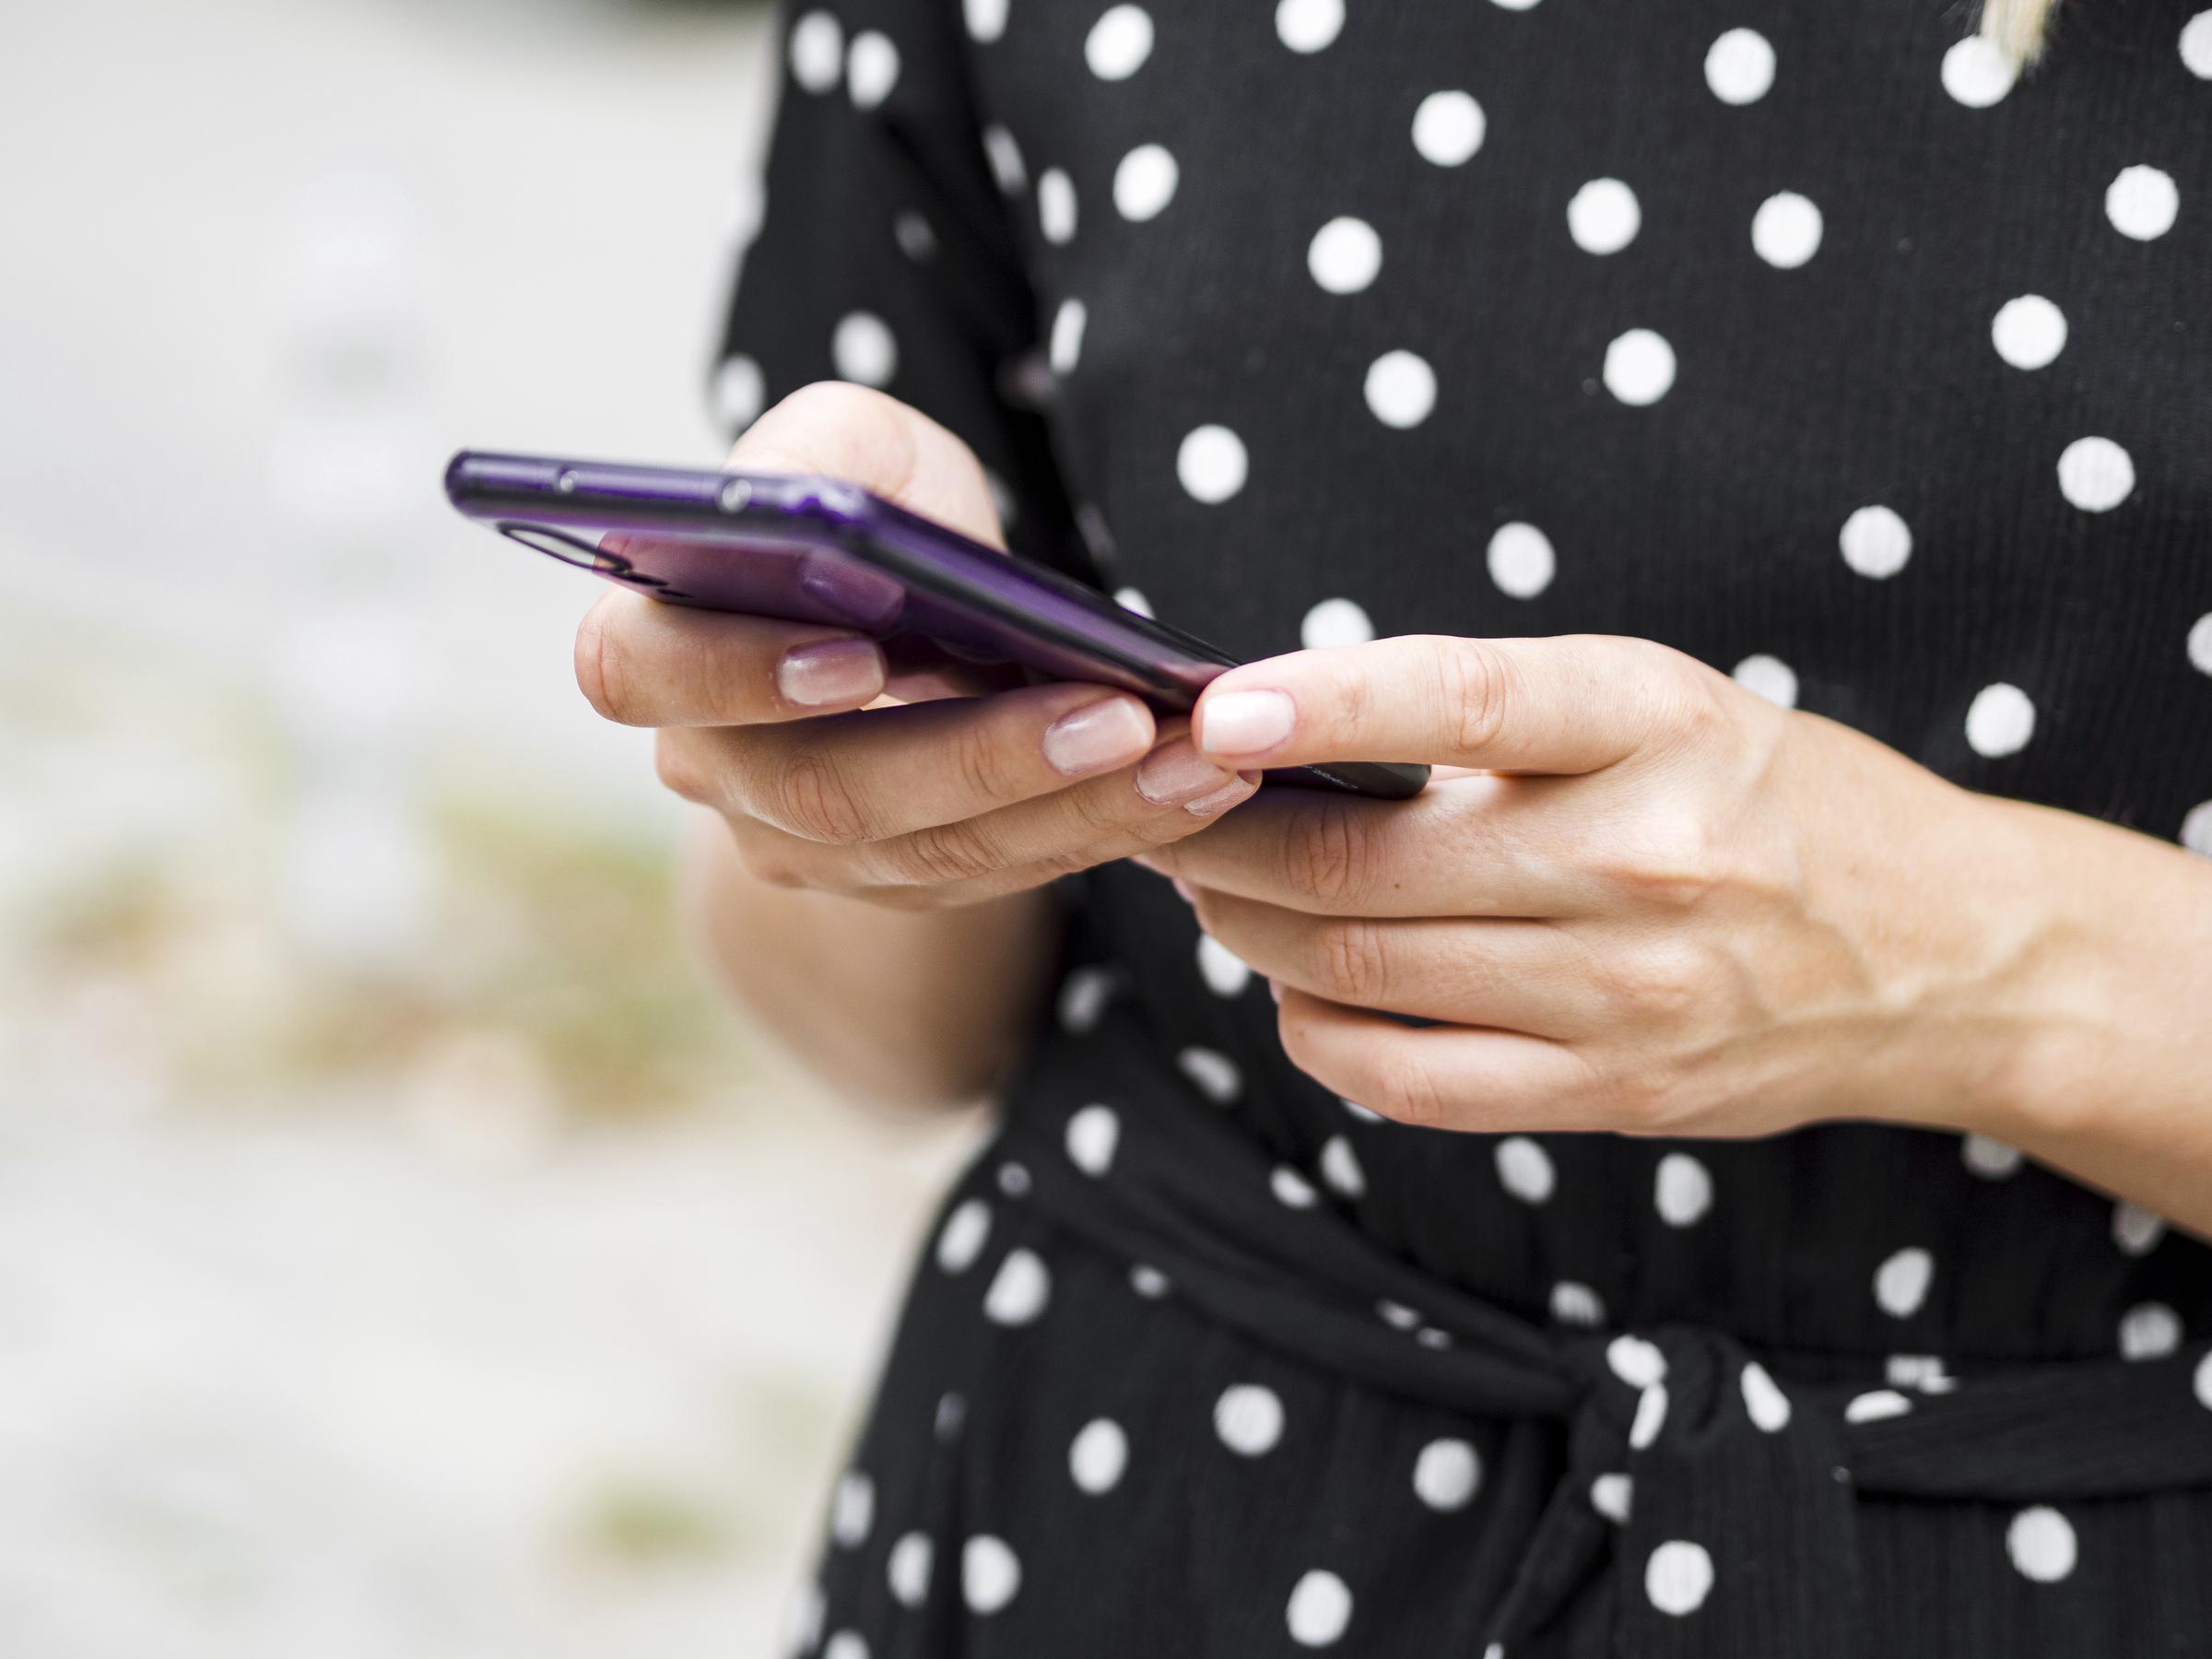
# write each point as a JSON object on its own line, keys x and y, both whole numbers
{"x": 1660, "y": 905}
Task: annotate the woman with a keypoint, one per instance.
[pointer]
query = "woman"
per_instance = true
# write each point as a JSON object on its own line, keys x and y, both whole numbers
{"x": 1754, "y": 1244}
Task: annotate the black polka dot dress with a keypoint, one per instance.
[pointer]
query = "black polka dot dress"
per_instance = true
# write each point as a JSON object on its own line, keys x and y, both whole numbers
{"x": 1802, "y": 334}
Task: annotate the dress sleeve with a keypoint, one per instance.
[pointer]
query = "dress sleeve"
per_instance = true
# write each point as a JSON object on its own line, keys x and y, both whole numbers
{"x": 887, "y": 253}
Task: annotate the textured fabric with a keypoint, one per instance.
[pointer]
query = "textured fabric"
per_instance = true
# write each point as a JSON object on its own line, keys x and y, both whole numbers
{"x": 1799, "y": 336}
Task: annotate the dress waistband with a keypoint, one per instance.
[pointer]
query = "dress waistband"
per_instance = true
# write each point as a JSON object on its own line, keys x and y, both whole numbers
{"x": 1724, "y": 1497}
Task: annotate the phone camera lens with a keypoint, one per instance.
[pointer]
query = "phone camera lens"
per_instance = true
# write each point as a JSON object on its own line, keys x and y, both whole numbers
{"x": 736, "y": 495}
{"x": 566, "y": 483}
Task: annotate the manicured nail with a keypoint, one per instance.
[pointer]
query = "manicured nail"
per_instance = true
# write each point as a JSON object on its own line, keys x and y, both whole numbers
{"x": 1098, "y": 736}
{"x": 1221, "y": 799}
{"x": 1247, "y": 723}
{"x": 831, "y": 672}
{"x": 1176, "y": 771}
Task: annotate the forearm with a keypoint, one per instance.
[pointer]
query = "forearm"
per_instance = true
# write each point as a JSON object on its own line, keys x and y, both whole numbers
{"x": 895, "y": 1007}
{"x": 2117, "y": 1089}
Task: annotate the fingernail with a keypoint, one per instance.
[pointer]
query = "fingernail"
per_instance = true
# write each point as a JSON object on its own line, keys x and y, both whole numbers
{"x": 1109, "y": 732}
{"x": 831, "y": 672}
{"x": 1176, "y": 771}
{"x": 1247, "y": 723}
{"x": 1221, "y": 799}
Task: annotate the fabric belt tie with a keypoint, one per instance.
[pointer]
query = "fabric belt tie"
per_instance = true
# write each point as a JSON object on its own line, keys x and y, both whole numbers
{"x": 1670, "y": 1429}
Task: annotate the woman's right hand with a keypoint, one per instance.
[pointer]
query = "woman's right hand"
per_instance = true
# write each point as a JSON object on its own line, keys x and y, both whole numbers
{"x": 918, "y": 804}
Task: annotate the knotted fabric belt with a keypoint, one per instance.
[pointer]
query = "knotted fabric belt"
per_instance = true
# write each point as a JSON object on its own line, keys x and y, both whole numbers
{"x": 1678, "y": 1437}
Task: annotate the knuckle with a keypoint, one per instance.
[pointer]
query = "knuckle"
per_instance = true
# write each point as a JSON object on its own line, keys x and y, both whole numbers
{"x": 1665, "y": 982}
{"x": 981, "y": 761}
{"x": 814, "y": 798}
{"x": 945, "y": 854}
{"x": 1353, "y": 962}
{"x": 679, "y": 765}
{"x": 1326, "y": 853}
{"x": 1668, "y": 857}
{"x": 1476, "y": 686}
{"x": 769, "y": 862}
{"x": 1406, "y": 1090}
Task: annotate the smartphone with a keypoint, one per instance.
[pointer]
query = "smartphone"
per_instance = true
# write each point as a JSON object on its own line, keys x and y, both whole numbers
{"x": 822, "y": 550}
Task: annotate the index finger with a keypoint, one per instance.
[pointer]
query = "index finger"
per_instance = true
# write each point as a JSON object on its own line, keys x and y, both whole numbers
{"x": 1577, "y": 703}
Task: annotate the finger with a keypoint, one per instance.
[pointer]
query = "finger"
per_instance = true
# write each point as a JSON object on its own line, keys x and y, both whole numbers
{"x": 1439, "y": 1077}
{"x": 1572, "y": 704}
{"x": 647, "y": 664}
{"x": 1481, "y": 845}
{"x": 870, "y": 775}
{"x": 1171, "y": 794}
{"x": 1515, "y": 976}
{"x": 860, "y": 435}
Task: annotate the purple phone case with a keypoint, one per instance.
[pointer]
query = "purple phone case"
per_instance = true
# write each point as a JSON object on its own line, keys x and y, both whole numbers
{"x": 814, "y": 550}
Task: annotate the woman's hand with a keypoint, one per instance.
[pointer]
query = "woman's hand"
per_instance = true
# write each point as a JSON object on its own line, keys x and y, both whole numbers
{"x": 918, "y": 804}
{"x": 1663, "y": 905}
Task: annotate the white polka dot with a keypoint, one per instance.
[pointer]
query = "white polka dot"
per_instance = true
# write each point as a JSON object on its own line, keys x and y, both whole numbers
{"x": 1098, "y": 1456}
{"x": 2204, "y": 1382}
{"x": 1013, "y": 1180}
{"x": 846, "y": 1644}
{"x": 803, "y": 1623}
{"x": 1785, "y": 232}
{"x": 2196, "y": 829}
{"x": 1576, "y": 1304}
{"x": 1875, "y": 542}
{"x": 1321, "y": 1607}
{"x": 1092, "y": 1135}
{"x": 1614, "y": 1497}
{"x": 1876, "y": 1405}
{"x": 1635, "y": 1360}
{"x": 2041, "y": 1543}
{"x": 989, "y": 1575}
{"x": 1683, "y": 1190}
{"x": 863, "y": 349}
{"x": 1640, "y": 368}
{"x": 1345, "y": 256}
{"x": 952, "y": 1411}
{"x": 1992, "y": 1159}
{"x": 1225, "y": 973}
{"x": 964, "y": 1233}
{"x": 1148, "y": 1281}
{"x": 908, "y": 1568}
{"x": 852, "y": 1509}
{"x": 1977, "y": 73}
{"x": 1335, "y": 622}
{"x": 1292, "y": 1188}
{"x": 871, "y": 69}
{"x": 1084, "y": 994}
{"x": 1448, "y": 128}
{"x": 1056, "y": 206}
{"x": 1766, "y": 1405}
{"x": 1678, "y": 1577}
{"x": 1901, "y": 1284}
{"x": 739, "y": 391}
{"x": 1132, "y": 599}
{"x": 1144, "y": 183}
{"x": 1525, "y": 1169}
{"x": 1521, "y": 561}
{"x": 2197, "y": 45}
{"x": 1651, "y": 1416}
{"x": 1923, "y": 1371}
{"x": 1018, "y": 1290}
{"x": 2134, "y": 1228}
{"x": 1210, "y": 462}
{"x": 1355, "y": 1110}
{"x": 1249, "y": 1418}
{"x": 1004, "y": 157}
{"x": 2142, "y": 202}
{"x": 1398, "y": 1315}
{"x": 916, "y": 240}
{"x": 1340, "y": 1168}
{"x": 2096, "y": 474}
{"x": 1118, "y": 43}
{"x": 1739, "y": 66}
{"x": 1514, "y": 4}
{"x": 1446, "y": 1474}
{"x": 817, "y": 51}
{"x": 1770, "y": 678}
{"x": 2200, "y": 632}
{"x": 1429, "y": 1337}
{"x": 1400, "y": 389}
{"x": 1308, "y": 25}
{"x": 1999, "y": 721}
{"x": 2150, "y": 1330}
{"x": 2029, "y": 332}
{"x": 1602, "y": 217}
{"x": 986, "y": 20}
{"x": 1065, "y": 347}
{"x": 1215, "y": 1073}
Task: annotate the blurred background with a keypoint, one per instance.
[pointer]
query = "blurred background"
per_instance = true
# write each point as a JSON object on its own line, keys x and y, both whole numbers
{"x": 400, "y": 1252}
